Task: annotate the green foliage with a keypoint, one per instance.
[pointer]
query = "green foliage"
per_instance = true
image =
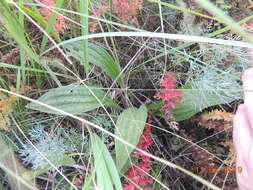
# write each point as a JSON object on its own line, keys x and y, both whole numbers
{"x": 14, "y": 28}
{"x": 97, "y": 56}
{"x": 213, "y": 82}
{"x": 210, "y": 80}
{"x": 129, "y": 127}
{"x": 40, "y": 20}
{"x": 73, "y": 99}
{"x": 53, "y": 146}
{"x": 102, "y": 121}
{"x": 223, "y": 17}
{"x": 84, "y": 8}
{"x": 209, "y": 89}
{"x": 49, "y": 28}
{"x": 107, "y": 176}
{"x": 195, "y": 98}
{"x": 223, "y": 5}
{"x": 181, "y": 9}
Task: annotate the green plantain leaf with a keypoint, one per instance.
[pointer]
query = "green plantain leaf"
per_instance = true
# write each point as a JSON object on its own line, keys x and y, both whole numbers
{"x": 129, "y": 127}
{"x": 107, "y": 176}
{"x": 97, "y": 56}
{"x": 73, "y": 99}
{"x": 190, "y": 103}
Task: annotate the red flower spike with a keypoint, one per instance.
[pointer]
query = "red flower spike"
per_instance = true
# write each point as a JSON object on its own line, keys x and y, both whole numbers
{"x": 59, "y": 25}
{"x": 127, "y": 10}
{"x": 168, "y": 94}
{"x": 138, "y": 175}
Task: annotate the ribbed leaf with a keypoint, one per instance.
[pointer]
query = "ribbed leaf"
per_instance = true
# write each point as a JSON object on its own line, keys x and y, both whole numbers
{"x": 72, "y": 99}
{"x": 129, "y": 127}
{"x": 97, "y": 56}
{"x": 107, "y": 176}
{"x": 191, "y": 98}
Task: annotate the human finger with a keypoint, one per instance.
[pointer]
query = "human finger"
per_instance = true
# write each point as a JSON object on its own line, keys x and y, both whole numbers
{"x": 242, "y": 134}
{"x": 247, "y": 79}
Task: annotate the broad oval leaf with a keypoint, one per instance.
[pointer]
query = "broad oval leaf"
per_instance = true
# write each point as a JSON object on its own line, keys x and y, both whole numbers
{"x": 129, "y": 127}
{"x": 107, "y": 176}
{"x": 191, "y": 98}
{"x": 73, "y": 99}
{"x": 97, "y": 56}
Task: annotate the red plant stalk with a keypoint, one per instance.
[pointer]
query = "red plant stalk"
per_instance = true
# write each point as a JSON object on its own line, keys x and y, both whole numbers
{"x": 138, "y": 175}
{"x": 169, "y": 94}
{"x": 59, "y": 25}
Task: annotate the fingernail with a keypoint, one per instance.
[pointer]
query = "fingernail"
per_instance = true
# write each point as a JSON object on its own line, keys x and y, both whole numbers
{"x": 247, "y": 74}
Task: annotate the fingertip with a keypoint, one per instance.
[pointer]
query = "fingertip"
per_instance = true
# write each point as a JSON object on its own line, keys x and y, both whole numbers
{"x": 240, "y": 118}
{"x": 247, "y": 74}
{"x": 241, "y": 128}
{"x": 240, "y": 115}
{"x": 240, "y": 109}
{"x": 248, "y": 95}
{"x": 247, "y": 79}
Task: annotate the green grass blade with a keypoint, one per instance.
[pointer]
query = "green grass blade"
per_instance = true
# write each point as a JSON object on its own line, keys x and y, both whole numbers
{"x": 187, "y": 44}
{"x": 187, "y": 38}
{"x": 184, "y": 10}
{"x": 49, "y": 28}
{"x": 18, "y": 83}
{"x": 107, "y": 175}
{"x": 4, "y": 65}
{"x": 22, "y": 52}
{"x": 53, "y": 76}
{"x": 39, "y": 19}
{"x": 84, "y": 8}
{"x": 224, "y": 18}
{"x": 16, "y": 30}
{"x": 87, "y": 183}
